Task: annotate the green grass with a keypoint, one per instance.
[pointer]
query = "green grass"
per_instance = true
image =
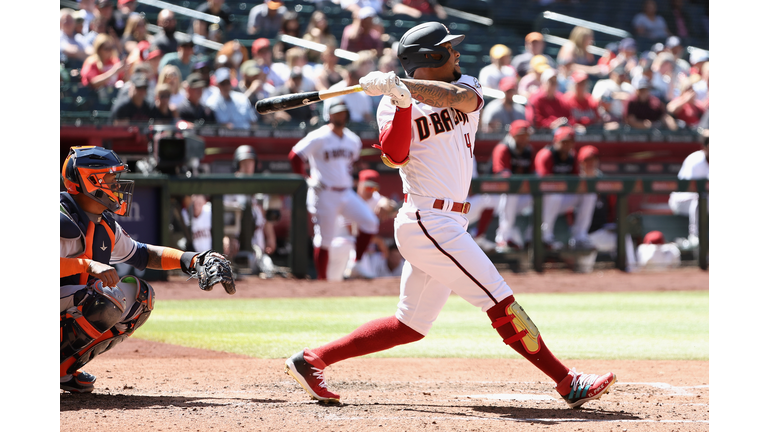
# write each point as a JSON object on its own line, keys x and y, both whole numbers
{"x": 653, "y": 326}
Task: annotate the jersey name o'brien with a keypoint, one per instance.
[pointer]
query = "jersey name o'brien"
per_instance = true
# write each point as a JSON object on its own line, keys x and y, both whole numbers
{"x": 337, "y": 153}
{"x": 441, "y": 121}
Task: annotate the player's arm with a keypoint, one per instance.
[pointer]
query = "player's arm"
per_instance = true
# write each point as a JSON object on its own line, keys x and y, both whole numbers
{"x": 395, "y": 139}
{"x": 444, "y": 95}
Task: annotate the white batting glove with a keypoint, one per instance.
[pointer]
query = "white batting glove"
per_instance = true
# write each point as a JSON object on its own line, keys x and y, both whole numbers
{"x": 379, "y": 83}
{"x": 401, "y": 96}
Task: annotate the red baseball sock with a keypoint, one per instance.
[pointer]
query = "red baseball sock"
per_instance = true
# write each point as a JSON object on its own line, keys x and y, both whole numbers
{"x": 485, "y": 219}
{"x": 374, "y": 336}
{"x": 542, "y": 359}
{"x": 321, "y": 263}
{"x": 361, "y": 243}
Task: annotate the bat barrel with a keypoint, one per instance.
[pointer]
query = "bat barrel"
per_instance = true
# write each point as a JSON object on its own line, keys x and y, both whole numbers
{"x": 286, "y": 102}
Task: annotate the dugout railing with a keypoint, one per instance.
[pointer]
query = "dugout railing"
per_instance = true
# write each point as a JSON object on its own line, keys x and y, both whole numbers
{"x": 621, "y": 186}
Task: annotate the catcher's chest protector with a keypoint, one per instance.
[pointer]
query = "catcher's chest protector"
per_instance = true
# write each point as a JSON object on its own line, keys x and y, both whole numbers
{"x": 99, "y": 239}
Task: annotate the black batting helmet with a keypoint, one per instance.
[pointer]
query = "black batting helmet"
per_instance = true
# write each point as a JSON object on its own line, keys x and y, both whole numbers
{"x": 417, "y": 44}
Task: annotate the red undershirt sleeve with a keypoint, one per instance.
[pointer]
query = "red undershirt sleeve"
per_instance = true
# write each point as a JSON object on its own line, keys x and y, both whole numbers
{"x": 396, "y": 139}
{"x": 297, "y": 163}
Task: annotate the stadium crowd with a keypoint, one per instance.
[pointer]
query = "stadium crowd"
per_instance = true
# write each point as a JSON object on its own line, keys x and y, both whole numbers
{"x": 648, "y": 81}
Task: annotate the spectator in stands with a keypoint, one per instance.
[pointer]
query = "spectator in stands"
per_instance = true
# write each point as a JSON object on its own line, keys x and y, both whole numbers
{"x": 261, "y": 50}
{"x": 645, "y": 111}
{"x": 417, "y": 8}
{"x": 306, "y": 114}
{"x": 558, "y": 159}
{"x": 611, "y": 52}
{"x": 102, "y": 68}
{"x": 701, "y": 86}
{"x": 71, "y": 50}
{"x": 165, "y": 40}
{"x": 97, "y": 26}
{"x": 319, "y": 31}
{"x": 656, "y": 254}
{"x": 534, "y": 46}
{"x": 649, "y": 25}
{"x": 582, "y": 105}
{"x": 135, "y": 108}
{"x": 192, "y": 109}
{"x": 360, "y": 34}
{"x": 678, "y": 21}
{"x": 359, "y": 105}
{"x": 289, "y": 27}
{"x": 665, "y": 79}
{"x": 627, "y": 54}
{"x": 231, "y": 56}
{"x": 697, "y": 59}
{"x": 674, "y": 47}
{"x": 576, "y": 52}
{"x": 182, "y": 58}
{"x": 329, "y": 72}
{"x": 695, "y": 167}
{"x": 161, "y": 110}
{"x": 354, "y": 6}
{"x": 619, "y": 90}
{"x": 120, "y": 15}
{"x": 254, "y": 84}
{"x": 232, "y": 108}
{"x": 685, "y": 107}
{"x": 547, "y": 108}
{"x": 498, "y": 114}
{"x": 296, "y": 57}
{"x": 87, "y": 8}
{"x": 611, "y": 120}
{"x": 135, "y": 32}
{"x": 264, "y": 20}
{"x": 500, "y": 67}
{"x": 171, "y": 76}
{"x": 530, "y": 83}
{"x": 106, "y": 9}
{"x": 212, "y": 7}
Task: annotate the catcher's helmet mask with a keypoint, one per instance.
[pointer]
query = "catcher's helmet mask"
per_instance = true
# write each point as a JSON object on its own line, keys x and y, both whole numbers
{"x": 84, "y": 172}
{"x": 417, "y": 44}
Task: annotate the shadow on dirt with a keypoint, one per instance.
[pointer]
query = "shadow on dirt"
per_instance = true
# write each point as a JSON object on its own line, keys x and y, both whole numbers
{"x": 76, "y": 402}
{"x": 549, "y": 415}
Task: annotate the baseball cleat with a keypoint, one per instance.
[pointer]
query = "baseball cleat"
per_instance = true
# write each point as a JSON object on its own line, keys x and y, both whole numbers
{"x": 307, "y": 369}
{"x": 583, "y": 388}
{"x": 79, "y": 382}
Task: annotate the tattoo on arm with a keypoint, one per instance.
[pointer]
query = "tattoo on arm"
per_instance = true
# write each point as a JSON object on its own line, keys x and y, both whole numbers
{"x": 155, "y": 257}
{"x": 439, "y": 94}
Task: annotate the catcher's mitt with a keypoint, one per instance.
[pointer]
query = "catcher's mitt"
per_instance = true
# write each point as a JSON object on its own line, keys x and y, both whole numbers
{"x": 211, "y": 268}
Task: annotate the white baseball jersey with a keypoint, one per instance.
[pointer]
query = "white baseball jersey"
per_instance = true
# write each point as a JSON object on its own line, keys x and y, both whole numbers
{"x": 442, "y": 147}
{"x": 330, "y": 157}
{"x": 200, "y": 227}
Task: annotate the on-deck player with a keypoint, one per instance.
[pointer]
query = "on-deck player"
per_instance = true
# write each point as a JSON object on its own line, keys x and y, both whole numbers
{"x": 431, "y": 141}
{"x": 330, "y": 151}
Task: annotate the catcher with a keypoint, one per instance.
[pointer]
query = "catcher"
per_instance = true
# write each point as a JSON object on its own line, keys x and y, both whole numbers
{"x": 98, "y": 308}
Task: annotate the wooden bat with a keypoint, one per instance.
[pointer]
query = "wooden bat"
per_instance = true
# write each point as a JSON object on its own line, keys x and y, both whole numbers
{"x": 295, "y": 100}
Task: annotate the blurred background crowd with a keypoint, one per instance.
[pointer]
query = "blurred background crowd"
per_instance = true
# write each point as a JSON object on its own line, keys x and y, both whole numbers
{"x": 210, "y": 61}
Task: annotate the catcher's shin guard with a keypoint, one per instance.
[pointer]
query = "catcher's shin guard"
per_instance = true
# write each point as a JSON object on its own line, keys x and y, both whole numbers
{"x": 522, "y": 335}
{"x": 96, "y": 309}
{"x": 140, "y": 302}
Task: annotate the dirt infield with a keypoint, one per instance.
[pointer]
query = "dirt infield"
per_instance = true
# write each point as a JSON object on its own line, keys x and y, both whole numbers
{"x": 154, "y": 386}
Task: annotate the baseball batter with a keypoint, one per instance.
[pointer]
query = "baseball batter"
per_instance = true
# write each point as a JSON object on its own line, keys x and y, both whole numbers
{"x": 432, "y": 141}
{"x": 98, "y": 309}
{"x": 330, "y": 151}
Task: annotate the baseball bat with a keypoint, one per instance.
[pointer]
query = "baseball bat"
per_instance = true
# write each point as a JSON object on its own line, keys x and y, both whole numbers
{"x": 295, "y": 100}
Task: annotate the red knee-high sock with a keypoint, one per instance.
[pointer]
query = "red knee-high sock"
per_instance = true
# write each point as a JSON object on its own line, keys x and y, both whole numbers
{"x": 374, "y": 336}
{"x": 321, "y": 263}
{"x": 485, "y": 219}
{"x": 542, "y": 359}
{"x": 361, "y": 243}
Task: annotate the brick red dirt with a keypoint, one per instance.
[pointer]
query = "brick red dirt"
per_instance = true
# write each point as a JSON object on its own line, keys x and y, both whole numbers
{"x": 155, "y": 386}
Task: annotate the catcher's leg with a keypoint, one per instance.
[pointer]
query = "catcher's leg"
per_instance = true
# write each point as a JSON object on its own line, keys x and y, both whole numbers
{"x": 138, "y": 299}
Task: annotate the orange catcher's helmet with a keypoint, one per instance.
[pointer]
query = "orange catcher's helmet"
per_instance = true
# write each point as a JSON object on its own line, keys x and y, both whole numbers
{"x": 95, "y": 172}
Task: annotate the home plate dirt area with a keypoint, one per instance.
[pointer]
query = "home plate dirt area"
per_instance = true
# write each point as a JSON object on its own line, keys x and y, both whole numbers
{"x": 154, "y": 386}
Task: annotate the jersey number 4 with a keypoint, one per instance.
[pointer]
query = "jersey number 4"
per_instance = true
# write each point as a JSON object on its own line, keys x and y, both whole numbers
{"x": 468, "y": 140}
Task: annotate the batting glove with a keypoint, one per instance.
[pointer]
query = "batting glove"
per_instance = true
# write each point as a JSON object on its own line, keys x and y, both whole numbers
{"x": 401, "y": 96}
{"x": 379, "y": 83}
